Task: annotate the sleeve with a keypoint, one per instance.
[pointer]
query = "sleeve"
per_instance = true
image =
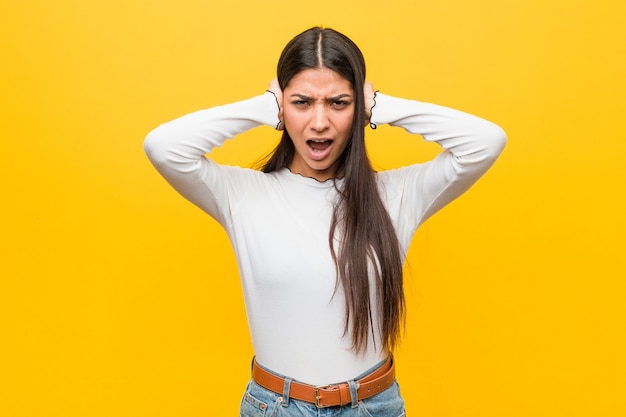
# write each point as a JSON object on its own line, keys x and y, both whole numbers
{"x": 177, "y": 149}
{"x": 470, "y": 146}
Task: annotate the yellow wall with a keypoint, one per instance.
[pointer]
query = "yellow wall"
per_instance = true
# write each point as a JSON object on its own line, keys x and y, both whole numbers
{"x": 119, "y": 298}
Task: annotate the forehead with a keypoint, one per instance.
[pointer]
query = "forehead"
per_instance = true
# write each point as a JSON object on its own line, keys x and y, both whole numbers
{"x": 318, "y": 82}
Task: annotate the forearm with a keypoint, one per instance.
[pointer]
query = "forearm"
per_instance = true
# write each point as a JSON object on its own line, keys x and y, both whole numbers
{"x": 475, "y": 143}
{"x": 177, "y": 149}
{"x": 179, "y": 145}
{"x": 470, "y": 144}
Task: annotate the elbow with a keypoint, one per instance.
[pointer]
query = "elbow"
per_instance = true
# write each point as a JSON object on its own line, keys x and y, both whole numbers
{"x": 154, "y": 147}
{"x": 149, "y": 143}
{"x": 501, "y": 137}
{"x": 484, "y": 152}
{"x": 497, "y": 142}
{"x": 488, "y": 149}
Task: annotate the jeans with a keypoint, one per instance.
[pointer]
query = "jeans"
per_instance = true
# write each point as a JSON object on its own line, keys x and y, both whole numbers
{"x": 260, "y": 402}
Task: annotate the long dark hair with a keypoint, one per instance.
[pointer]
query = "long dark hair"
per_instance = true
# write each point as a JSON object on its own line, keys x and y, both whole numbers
{"x": 368, "y": 241}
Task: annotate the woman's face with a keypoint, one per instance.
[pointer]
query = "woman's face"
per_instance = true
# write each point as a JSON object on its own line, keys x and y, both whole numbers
{"x": 318, "y": 108}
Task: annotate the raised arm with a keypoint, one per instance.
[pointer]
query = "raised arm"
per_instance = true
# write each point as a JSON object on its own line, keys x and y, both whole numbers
{"x": 177, "y": 149}
{"x": 470, "y": 146}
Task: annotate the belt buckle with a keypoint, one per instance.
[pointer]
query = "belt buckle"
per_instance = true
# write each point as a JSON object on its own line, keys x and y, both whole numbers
{"x": 317, "y": 398}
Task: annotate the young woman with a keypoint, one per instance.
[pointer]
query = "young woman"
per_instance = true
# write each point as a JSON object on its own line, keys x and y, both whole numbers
{"x": 320, "y": 238}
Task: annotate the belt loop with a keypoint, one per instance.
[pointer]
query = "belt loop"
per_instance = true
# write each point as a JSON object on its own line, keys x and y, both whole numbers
{"x": 354, "y": 386}
{"x": 286, "y": 389}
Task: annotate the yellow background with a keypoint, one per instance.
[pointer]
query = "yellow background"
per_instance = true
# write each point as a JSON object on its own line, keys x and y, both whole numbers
{"x": 119, "y": 298}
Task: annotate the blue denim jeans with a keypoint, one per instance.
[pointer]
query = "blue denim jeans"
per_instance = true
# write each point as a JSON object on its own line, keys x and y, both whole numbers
{"x": 260, "y": 402}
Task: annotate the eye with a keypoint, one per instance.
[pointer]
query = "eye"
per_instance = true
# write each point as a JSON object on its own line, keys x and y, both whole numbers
{"x": 340, "y": 103}
{"x": 300, "y": 103}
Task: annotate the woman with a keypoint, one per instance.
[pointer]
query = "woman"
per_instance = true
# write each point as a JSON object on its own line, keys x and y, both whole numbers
{"x": 320, "y": 237}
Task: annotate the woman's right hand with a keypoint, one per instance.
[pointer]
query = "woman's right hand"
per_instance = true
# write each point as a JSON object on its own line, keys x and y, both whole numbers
{"x": 274, "y": 88}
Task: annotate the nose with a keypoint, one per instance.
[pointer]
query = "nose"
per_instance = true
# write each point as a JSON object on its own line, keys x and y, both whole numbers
{"x": 319, "y": 118}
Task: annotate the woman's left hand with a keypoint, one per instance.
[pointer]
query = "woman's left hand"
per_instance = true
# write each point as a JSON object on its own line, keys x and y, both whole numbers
{"x": 368, "y": 93}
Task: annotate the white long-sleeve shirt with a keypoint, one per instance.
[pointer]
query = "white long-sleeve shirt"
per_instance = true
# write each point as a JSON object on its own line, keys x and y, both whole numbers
{"x": 278, "y": 223}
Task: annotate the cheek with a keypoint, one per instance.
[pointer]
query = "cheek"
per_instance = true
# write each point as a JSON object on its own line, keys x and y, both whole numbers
{"x": 345, "y": 125}
{"x": 292, "y": 121}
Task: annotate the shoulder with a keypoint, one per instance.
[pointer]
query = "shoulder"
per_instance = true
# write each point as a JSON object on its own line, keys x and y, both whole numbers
{"x": 397, "y": 176}
{"x": 245, "y": 175}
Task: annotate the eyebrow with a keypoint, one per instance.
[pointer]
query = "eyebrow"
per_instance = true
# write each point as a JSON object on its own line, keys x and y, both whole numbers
{"x": 335, "y": 98}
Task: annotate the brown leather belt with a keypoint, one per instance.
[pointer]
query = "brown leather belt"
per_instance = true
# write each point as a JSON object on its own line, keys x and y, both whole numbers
{"x": 331, "y": 395}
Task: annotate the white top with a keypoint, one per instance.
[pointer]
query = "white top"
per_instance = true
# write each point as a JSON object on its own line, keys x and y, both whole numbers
{"x": 278, "y": 223}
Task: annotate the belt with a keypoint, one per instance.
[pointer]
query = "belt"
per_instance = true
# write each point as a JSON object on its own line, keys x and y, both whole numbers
{"x": 330, "y": 395}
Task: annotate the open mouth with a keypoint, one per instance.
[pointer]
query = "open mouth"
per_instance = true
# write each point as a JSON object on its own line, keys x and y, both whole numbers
{"x": 319, "y": 146}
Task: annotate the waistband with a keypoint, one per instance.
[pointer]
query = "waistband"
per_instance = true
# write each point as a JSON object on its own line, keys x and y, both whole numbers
{"x": 331, "y": 395}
